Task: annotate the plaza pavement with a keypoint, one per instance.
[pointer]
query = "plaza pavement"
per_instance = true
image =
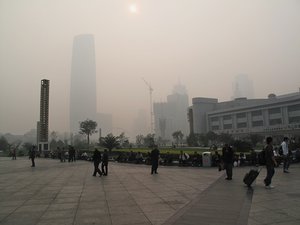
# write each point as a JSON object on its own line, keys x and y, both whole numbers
{"x": 67, "y": 193}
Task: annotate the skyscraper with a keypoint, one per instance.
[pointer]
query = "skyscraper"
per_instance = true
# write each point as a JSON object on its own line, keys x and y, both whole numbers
{"x": 243, "y": 87}
{"x": 83, "y": 103}
{"x": 171, "y": 116}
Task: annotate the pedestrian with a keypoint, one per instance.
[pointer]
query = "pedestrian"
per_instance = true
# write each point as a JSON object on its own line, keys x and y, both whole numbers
{"x": 228, "y": 158}
{"x": 104, "y": 165}
{"x": 32, "y": 155}
{"x": 14, "y": 154}
{"x": 154, "y": 160}
{"x": 74, "y": 153}
{"x": 270, "y": 162}
{"x": 63, "y": 155}
{"x": 285, "y": 155}
{"x": 70, "y": 151}
{"x": 59, "y": 153}
{"x": 97, "y": 160}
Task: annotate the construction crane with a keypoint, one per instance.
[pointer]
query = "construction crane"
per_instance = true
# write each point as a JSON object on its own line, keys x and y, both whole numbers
{"x": 151, "y": 106}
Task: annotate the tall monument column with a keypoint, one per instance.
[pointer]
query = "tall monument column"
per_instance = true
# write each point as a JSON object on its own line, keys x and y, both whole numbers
{"x": 43, "y": 124}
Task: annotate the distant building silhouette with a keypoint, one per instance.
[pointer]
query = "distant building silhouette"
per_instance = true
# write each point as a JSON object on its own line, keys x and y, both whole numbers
{"x": 243, "y": 87}
{"x": 83, "y": 94}
{"x": 171, "y": 116}
{"x": 83, "y": 81}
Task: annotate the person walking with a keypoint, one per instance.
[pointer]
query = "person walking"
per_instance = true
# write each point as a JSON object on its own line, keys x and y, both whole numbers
{"x": 97, "y": 160}
{"x": 228, "y": 158}
{"x": 285, "y": 155}
{"x": 104, "y": 166}
{"x": 270, "y": 162}
{"x": 154, "y": 160}
{"x": 32, "y": 155}
{"x": 14, "y": 154}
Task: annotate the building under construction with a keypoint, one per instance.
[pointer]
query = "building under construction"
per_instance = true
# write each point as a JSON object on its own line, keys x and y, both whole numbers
{"x": 43, "y": 124}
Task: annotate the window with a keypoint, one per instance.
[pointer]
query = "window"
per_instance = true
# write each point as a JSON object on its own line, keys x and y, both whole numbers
{"x": 227, "y": 117}
{"x": 293, "y": 108}
{"x": 295, "y": 119}
{"x": 227, "y": 126}
{"x": 274, "y": 111}
{"x": 214, "y": 119}
{"x": 215, "y": 127}
{"x": 256, "y": 113}
{"x": 240, "y": 115}
{"x": 273, "y": 122}
{"x": 259, "y": 123}
{"x": 241, "y": 125}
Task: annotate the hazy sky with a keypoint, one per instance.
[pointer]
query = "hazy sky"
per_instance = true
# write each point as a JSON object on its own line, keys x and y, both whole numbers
{"x": 202, "y": 43}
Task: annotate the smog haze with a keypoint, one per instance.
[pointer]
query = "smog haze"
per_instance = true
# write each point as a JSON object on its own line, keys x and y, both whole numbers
{"x": 203, "y": 44}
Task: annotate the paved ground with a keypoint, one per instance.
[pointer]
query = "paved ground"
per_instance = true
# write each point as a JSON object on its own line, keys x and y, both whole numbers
{"x": 66, "y": 193}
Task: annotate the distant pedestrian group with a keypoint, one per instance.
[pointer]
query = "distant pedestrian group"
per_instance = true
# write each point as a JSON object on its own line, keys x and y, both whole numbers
{"x": 98, "y": 158}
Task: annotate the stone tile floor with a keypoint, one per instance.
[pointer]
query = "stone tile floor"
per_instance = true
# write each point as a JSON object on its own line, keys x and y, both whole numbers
{"x": 66, "y": 193}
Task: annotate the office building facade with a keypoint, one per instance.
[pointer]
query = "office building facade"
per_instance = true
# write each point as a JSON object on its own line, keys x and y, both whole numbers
{"x": 273, "y": 115}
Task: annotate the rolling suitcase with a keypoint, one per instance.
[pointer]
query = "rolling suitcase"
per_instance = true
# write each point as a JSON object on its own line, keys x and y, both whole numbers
{"x": 250, "y": 177}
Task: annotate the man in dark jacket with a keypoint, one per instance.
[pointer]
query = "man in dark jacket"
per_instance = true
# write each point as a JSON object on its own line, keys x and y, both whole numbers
{"x": 154, "y": 160}
{"x": 97, "y": 160}
{"x": 228, "y": 156}
{"x": 32, "y": 155}
{"x": 270, "y": 162}
{"x": 104, "y": 165}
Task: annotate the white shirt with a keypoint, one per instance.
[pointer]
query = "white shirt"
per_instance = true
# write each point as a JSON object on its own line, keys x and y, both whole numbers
{"x": 285, "y": 148}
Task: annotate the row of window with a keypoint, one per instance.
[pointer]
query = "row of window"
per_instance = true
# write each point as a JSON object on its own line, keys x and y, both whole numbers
{"x": 260, "y": 123}
{"x": 257, "y": 113}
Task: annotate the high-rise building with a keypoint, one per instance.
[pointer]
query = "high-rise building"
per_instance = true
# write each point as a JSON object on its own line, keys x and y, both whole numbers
{"x": 171, "y": 116}
{"x": 43, "y": 124}
{"x": 83, "y": 104}
{"x": 243, "y": 87}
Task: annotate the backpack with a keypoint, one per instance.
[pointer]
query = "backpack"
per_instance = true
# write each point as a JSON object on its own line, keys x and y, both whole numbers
{"x": 262, "y": 157}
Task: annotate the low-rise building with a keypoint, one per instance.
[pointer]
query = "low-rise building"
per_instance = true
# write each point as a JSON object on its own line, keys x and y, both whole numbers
{"x": 273, "y": 115}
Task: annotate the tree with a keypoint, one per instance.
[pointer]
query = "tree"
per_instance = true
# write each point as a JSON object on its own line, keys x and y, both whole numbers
{"x": 4, "y": 144}
{"x": 241, "y": 146}
{"x": 255, "y": 138}
{"x": 192, "y": 140}
{"x": 212, "y": 136}
{"x": 88, "y": 127}
{"x": 203, "y": 139}
{"x": 149, "y": 140}
{"x": 110, "y": 142}
{"x": 124, "y": 142}
{"x": 225, "y": 138}
{"x": 139, "y": 140}
{"x": 178, "y": 136}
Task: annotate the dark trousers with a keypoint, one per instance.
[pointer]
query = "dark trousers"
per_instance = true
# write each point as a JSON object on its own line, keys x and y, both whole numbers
{"x": 270, "y": 174}
{"x": 96, "y": 169}
{"x": 228, "y": 168}
{"x": 154, "y": 166}
{"x": 32, "y": 162}
{"x": 104, "y": 168}
{"x": 286, "y": 162}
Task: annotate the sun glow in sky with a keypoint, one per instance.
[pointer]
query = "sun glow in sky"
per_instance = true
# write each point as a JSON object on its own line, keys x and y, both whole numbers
{"x": 133, "y": 8}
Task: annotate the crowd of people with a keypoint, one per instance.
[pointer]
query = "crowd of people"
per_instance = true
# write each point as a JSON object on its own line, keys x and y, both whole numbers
{"x": 226, "y": 161}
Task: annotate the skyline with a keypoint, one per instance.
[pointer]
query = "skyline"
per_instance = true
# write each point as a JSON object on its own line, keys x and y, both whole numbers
{"x": 205, "y": 44}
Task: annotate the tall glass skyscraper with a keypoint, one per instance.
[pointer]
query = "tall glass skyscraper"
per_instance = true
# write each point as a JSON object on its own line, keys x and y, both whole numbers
{"x": 83, "y": 103}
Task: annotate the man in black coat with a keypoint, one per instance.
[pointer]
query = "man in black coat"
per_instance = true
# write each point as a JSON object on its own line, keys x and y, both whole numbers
{"x": 97, "y": 160}
{"x": 154, "y": 160}
{"x": 228, "y": 157}
{"x": 32, "y": 155}
{"x": 104, "y": 165}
